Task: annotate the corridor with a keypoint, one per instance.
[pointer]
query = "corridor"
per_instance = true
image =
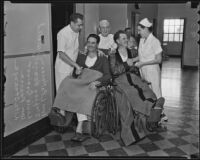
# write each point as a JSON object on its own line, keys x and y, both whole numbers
{"x": 177, "y": 137}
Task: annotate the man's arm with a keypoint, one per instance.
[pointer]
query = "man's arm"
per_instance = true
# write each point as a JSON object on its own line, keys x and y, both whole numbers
{"x": 68, "y": 60}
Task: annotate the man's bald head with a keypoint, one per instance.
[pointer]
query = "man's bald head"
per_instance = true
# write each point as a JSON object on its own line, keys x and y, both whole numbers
{"x": 104, "y": 23}
{"x": 104, "y": 27}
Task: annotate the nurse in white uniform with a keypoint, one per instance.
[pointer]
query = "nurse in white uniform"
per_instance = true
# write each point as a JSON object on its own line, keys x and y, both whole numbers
{"x": 149, "y": 57}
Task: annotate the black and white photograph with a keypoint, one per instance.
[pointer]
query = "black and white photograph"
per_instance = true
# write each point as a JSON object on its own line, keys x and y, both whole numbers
{"x": 100, "y": 79}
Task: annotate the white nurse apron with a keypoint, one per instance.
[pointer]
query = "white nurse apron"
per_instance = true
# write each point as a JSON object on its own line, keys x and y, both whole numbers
{"x": 151, "y": 73}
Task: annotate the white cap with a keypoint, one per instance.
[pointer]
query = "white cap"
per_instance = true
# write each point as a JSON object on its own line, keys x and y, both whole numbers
{"x": 145, "y": 22}
{"x": 104, "y": 23}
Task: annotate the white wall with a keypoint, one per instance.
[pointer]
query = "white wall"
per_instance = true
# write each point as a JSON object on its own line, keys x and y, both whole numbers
{"x": 116, "y": 14}
{"x": 120, "y": 17}
{"x": 145, "y": 11}
{"x": 26, "y": 23}
{"x": 191, "y": 49}
{"x": 91, "y": 20}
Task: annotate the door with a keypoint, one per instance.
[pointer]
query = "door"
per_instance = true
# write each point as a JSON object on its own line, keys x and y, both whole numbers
{"x": 134, "y": 22}
{"x": 173, "y": 33}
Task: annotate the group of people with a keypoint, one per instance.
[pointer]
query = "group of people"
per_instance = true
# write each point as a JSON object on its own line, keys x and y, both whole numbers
{"x": 109, "y": 56}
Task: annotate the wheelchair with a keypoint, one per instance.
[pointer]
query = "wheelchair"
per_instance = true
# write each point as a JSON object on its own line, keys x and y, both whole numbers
{"x": 104, "y": 114}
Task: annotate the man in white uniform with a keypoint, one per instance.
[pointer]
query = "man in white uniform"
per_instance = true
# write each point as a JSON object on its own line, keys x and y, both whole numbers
{"x": 150, "y": 56}
{"x": 106, "y": 39}
{"x": 67, "y": 49}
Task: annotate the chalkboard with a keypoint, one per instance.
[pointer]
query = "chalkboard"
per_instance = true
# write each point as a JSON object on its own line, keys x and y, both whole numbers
{"x": 28, "y": 90}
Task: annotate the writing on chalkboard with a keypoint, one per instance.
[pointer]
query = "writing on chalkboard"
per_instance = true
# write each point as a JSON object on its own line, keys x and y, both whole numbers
{"x": 30, "y": 89}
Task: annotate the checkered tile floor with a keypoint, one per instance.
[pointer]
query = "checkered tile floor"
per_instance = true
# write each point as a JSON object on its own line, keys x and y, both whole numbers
{"x": 178, "y": 137}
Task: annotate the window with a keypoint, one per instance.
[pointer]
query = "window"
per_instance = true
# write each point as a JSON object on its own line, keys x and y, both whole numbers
{"x": 173, "y": 30}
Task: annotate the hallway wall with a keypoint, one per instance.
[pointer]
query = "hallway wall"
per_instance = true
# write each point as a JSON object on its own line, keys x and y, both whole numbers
{"x": 120, "y": 17}
{"x": 190, "y": 50}
{"x": 91, "y": 20}
{"x": 116, "y": 14}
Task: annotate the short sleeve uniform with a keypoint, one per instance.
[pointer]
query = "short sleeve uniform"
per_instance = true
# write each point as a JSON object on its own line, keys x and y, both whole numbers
{"x": 67, "y": 42}
{"x": 147, "y": 51}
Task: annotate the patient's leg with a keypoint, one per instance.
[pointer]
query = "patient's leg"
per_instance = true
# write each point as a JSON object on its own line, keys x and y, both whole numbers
{"x": 81, "y": 118}
{"x": 79, "y": 136}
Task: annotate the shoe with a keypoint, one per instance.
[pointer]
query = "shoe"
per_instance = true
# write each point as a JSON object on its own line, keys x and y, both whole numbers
{"x": 79, "y": 137}
{"x": 163, "y": 117}
{"x": 159, "y": 103}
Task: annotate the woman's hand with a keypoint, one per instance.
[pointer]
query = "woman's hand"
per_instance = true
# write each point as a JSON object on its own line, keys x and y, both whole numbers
{"x": 139, "y": 64}
{"x": 92, "y": 85}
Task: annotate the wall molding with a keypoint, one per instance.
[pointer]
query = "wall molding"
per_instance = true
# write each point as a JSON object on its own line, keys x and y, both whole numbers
{"x": 26, "y": 54}
{"x": 190, "y": 67}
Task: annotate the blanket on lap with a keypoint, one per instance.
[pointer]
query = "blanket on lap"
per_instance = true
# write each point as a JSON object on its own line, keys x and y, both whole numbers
{"x": 74, "y": 95}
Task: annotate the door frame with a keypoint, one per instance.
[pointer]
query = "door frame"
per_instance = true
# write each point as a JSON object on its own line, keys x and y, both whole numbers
{"x": 134, "y": 22}
{"x": 183, "y": 43}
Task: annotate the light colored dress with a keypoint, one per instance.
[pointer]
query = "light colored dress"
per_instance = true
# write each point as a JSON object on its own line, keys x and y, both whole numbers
{"x": 67, "y": 42}
{"x": 147, "y": 51}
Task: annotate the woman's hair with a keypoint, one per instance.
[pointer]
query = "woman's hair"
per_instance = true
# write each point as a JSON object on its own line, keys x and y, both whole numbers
{"x": 117, "y": 34}
{"x": 94, "y": 36}
{"x": 149, "y": 28}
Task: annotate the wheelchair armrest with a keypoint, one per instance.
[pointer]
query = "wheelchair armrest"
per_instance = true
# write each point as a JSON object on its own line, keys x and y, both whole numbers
{"x": 111, "y": 83}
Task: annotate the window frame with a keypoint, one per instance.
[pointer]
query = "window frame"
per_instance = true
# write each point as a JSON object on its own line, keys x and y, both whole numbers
{"x": 171, "y": 35}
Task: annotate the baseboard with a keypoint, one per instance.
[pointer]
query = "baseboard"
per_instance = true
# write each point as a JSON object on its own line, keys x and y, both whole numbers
{"x": 175, "y": 56}
{"x": 24, "y": 137}
{"x": 190, "y": 67}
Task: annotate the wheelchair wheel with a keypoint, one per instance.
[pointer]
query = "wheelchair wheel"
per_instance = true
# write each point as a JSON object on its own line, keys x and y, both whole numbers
{"x": 98, "y": 116}
{"x": 112, "y": 114}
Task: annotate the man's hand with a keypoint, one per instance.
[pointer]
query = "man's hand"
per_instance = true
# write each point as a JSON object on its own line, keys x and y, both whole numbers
{"x": 92, "y": 85}
{"x": 100, "y": 53}
{"x": 78, "y": 70}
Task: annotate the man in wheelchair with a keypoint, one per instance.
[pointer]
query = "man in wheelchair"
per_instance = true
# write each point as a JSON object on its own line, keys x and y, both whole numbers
{"x": 77, "y": 94}
{"x": 135, "y": 102}
{"x": 138, "y": 106}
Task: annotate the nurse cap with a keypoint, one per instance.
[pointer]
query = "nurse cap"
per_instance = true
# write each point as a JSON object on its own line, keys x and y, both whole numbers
{"x": 145, "y": 22}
